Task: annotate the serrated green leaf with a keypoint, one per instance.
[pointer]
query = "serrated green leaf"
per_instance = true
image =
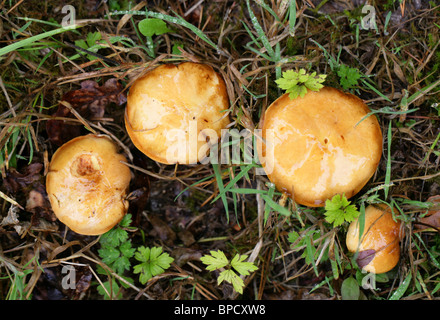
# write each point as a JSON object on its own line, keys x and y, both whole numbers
{"x": 112, "y": 289}
{"x": 81, "y": 43}
{"x": 143, "y": 254}
{"x": 164, "y": 260}
{"x": 92, "y": 37}
{"x": 109, "y": 254}
{"x": 127, "y": 250}
{"x": 121, "y": 264}
{"x": 348, "y": 76}
{"x": 126, "y": 221}
{"x": 155, "y": 252}
{"x": 215, "y": 261}
{"x": 238, "y": 284}
{"x": 302, "y": 91}
{"x": 114, "y": 237}
{"x": 339, "y": 210}
{"x": 241, "y": 266}
{"x": 231, "y": 277}
{"x": 225, "y": 275}
{"x": 297, "y": 83}
{"x": 153, "y": 262}
{"x": 293, "y": 236}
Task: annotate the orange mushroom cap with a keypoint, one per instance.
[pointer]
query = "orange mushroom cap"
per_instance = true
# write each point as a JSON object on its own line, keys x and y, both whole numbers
{"x": 173, "y": 110}
{"x": 87, "y": 184}
{"x": 379, "y": 248}
{"x": 317, "y": 146}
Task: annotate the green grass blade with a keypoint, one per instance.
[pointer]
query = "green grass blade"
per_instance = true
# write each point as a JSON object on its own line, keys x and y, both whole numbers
{"x": 292, "y": 17}
{"x": 30, "y": 40}
{"x": 388, "y": 172}
{"x": 170, "y": 19}
{"x": 275, "y": 206}
{"x": 268, "y": 9}
{"x": 237, "y": 178}
{"x": 310, "y": 254}
{"x": 221, "y": 188}
{"x": 194, "y": 184}
{"x": 181, "y": 21}
{"x": 402, "y": 288}
{"x": 260, "y": 31}
{"x": 365, "y": 82}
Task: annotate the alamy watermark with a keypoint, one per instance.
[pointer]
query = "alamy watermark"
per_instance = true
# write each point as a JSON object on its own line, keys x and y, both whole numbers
{"x": 69, "y": 280}
{"x": 369, "y": 20}
{"x": 69, "y": 19}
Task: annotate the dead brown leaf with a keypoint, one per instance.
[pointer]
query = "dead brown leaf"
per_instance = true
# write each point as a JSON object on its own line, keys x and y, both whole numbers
{"x": 432, "y": 218}
{"x": 89, "y": 102}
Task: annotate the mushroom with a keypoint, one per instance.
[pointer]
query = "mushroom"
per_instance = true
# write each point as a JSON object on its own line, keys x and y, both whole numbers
{"x": 378, "y": 246}
{"x": 175, "y": 113}
{"x": 320, "y": 145}
{"x": 87, "y": 183}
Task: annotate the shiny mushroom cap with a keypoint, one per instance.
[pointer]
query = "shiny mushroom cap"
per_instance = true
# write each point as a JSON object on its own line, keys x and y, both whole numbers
{"x": 379, "y": 249}
{"x": 87, "y": 184}
{"x": 317, "y": 146}
{"x": 175, "y": 113}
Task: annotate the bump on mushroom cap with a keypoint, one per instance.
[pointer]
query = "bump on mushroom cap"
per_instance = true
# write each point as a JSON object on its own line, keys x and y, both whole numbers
{"x": 177, "y": 106}
{"x": 87, "y": 183}
{"x": 381, "y": 235}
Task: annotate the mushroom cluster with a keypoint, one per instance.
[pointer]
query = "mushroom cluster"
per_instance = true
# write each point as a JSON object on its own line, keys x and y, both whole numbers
{"x": 87, "y": 184}
{"x": 175, "y": 113}
{"x": 320, "y": 145}
{"x": 378, "y": 246}
{"x": 314, "y": 147}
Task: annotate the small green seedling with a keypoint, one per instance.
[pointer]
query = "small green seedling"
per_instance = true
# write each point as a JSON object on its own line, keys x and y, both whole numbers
{"x": 339, "y": 210}
{"x": 153, "y": 262}
{"x": 297, "y": 83}
{"x": 348, "y": 77}
{"x": 116, "y": 249}
{"x": 218, "y": 260}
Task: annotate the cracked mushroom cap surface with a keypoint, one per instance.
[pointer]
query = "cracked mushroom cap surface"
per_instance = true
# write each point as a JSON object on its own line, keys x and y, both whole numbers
{"x": 316, "y": 146}
{"x": 87, "y": 184}
{"x": 175, "y": 112}
{"x": 379, "y": 245}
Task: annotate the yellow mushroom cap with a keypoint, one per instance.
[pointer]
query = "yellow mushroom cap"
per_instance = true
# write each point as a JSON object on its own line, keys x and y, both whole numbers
{"x": 87, "y": 184}
{"x": 174, "y": 110}
{"x": 379, "y": 248}
{"x": 317, "y": 146}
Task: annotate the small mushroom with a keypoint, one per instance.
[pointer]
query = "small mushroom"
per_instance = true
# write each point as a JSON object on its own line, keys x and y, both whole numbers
{"x": 175, "y": 113}
{"x": 320, "y": 145}
{"x": 378, "y": 247}
{"x": 87, "y": 184}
